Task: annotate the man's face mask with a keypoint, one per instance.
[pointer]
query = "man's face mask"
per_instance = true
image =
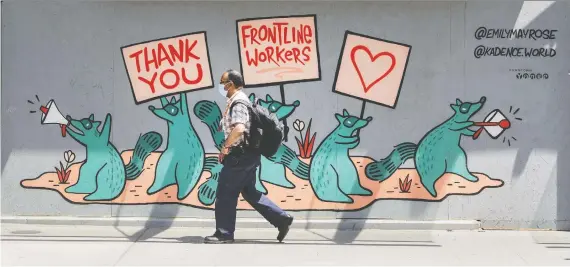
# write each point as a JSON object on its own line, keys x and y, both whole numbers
{"x": 222, "y": 90}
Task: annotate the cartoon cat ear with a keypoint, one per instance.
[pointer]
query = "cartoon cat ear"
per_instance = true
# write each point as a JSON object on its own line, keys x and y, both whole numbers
{"x": 338, "y": 117}
{"x": 458, "y": 102}
{"x": 268, "y": 98}
{"x": 345, "y": 113}
{"x": 252, "y": 97}
{"x": 454, "y": 107}
{"x": 91, "y": 117}
{"x": 173, "y": 100}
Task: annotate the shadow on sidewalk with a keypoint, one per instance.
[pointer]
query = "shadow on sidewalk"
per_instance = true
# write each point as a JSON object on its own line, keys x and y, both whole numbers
{"x": 165, "y": 213}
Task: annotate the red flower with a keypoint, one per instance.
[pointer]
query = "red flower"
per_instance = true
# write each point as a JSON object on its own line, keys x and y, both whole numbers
{"x": 305, "y": 146}
{"x": 405, "y": 185}
{"x": 62, "y": 174}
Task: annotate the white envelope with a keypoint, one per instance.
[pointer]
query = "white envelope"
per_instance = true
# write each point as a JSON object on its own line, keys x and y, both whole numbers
{"x": 495, "y": 116}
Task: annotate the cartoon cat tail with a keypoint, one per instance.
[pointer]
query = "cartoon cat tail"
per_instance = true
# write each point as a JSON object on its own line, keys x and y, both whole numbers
{"x": 207, "y": 190}
{"x": 293, "y": 163}
{"x": 146, "y": 144}
{"x": 383, "y": 169}
{"x": 209, "y": 113}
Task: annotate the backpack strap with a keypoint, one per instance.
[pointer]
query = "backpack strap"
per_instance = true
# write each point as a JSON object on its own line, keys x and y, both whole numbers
{"x": 239, "y": 101}
{"x": 248, "y": 106}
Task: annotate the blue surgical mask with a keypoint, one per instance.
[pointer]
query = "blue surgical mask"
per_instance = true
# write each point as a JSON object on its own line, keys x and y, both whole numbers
{"x": 222, "y": 90}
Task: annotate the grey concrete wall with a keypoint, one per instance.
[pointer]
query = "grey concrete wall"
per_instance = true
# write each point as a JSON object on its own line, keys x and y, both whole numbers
{"x": 71, "y": 52}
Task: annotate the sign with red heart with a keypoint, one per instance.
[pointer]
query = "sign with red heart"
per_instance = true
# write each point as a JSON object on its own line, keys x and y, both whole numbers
{"x": 371, "y": 69}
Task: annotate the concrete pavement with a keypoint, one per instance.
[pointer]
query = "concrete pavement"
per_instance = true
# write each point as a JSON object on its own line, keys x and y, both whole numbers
{"x": 28, "y": 244}
{"x": 298, "y": 223}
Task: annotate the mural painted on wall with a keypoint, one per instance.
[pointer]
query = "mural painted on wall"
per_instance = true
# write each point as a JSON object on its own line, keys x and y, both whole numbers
{"x": 311, "y": 176}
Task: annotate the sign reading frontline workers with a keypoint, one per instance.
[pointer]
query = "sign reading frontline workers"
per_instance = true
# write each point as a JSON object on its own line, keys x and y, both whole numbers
{"x": 168, "y": 66}
{"x": 278, "y": 50}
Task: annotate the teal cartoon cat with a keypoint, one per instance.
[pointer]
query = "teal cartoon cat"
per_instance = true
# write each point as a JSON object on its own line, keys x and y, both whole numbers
{"x": 439, "y": 151}
{"x": 103, "y": 175}
{"x": 182, "y": 161}
{"x": 271, "y": 170}
{"x": 333, "y": 175}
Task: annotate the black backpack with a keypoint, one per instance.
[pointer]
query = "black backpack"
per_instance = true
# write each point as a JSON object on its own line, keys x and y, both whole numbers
{"x": 266, "y": 132}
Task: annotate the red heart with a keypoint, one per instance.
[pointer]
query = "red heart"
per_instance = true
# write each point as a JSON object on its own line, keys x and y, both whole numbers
{"x": 372, "y": 58}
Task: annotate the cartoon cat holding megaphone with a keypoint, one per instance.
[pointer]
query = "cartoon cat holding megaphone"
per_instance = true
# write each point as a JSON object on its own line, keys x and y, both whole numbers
{"x": 103, "y": 174}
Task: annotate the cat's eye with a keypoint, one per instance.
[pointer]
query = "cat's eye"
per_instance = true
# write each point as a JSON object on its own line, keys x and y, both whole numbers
{"x": 170, "y": 109}
{"x": 350, "y": 121}
{"x": 87, "y": 124}
{"x": 464, "y": 107}
{"x": 274, "y": 107}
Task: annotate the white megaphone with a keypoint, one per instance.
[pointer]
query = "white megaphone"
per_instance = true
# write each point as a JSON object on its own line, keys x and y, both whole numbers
{"x": 52, "y": 115}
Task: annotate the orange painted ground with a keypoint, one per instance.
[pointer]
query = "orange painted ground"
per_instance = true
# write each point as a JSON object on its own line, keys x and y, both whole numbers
{"x": 299, "y": 198}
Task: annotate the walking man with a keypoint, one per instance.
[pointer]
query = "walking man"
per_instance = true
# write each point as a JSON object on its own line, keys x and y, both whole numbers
{"x": 239, "y": 168}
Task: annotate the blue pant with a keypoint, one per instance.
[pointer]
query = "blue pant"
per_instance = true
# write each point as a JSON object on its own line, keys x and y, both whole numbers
{"x": 238, "y": 176}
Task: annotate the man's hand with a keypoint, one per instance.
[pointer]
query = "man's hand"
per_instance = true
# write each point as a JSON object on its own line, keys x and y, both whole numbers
{"x": 223, "y": 152}
{"x": 236, "y": 133}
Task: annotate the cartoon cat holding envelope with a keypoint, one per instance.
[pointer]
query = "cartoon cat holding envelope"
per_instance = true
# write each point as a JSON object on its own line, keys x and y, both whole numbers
{"x": 438, "y": 152}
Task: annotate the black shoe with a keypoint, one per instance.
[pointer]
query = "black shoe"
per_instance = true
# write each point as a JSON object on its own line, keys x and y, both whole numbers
{"x": 218, "y": 239}
{"x": 284, "y": 229}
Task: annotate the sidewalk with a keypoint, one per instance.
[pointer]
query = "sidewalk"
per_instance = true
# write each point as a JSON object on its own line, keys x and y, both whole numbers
{"x": 128, "y": 245}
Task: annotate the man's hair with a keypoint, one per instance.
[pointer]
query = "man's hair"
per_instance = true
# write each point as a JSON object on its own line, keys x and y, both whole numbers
{"x": 235, "y": 77}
